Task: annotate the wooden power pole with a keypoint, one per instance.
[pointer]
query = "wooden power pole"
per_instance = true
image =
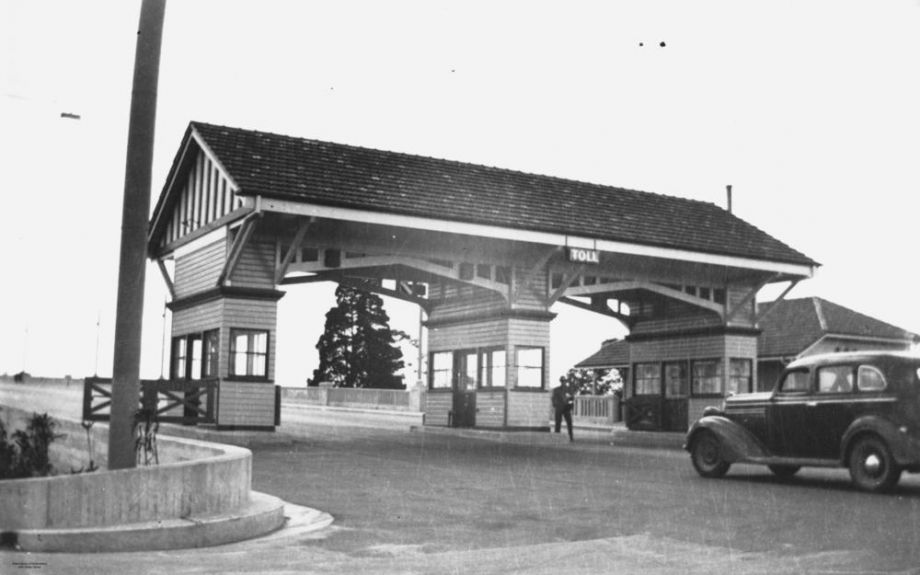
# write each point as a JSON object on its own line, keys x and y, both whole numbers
{"x": 133, "y": 259}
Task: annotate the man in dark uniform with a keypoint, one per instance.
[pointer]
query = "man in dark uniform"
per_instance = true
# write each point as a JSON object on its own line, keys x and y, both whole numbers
{"x": 563, "y": 401}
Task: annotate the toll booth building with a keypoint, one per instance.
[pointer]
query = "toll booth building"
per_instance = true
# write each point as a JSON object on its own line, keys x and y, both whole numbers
{"x": 486, "y": 252}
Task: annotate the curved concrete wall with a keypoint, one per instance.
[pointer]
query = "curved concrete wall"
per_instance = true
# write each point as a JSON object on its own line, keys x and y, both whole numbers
{"x": 193, "y": 478}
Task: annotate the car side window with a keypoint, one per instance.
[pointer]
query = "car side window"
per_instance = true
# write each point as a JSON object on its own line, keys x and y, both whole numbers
{"x": 870, "y": 379}
{"x": 794, "y": 382}
{"x": 835, "y": 379}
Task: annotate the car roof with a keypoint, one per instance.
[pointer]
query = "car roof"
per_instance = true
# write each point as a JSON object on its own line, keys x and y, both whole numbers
{"x": 854, "y": 357}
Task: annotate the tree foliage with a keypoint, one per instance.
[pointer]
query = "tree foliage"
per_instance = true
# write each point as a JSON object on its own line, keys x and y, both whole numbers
{"x": 358, "y": 348}
{"x": 594, "y": 381}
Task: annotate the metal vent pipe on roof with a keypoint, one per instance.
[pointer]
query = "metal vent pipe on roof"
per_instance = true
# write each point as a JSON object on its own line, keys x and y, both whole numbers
{"x": 728, "y": 193}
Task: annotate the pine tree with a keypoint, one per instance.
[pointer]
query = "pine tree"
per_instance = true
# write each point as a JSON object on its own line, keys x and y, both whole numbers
{"x": 358, "y": 348}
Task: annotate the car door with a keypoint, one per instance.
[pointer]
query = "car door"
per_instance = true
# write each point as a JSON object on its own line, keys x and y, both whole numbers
{"x": 788, "y": 416}
{"x": 831, "y": 409}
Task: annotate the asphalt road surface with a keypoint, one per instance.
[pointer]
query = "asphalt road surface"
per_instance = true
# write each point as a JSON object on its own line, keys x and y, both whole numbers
{"x": 418, "y": 502}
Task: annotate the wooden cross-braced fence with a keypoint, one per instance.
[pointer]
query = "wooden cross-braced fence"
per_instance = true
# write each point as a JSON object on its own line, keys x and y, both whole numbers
{"x": 186, "y": 401}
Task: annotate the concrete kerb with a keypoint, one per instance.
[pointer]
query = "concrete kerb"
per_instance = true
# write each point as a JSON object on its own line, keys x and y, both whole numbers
{"x": 618, "y": 436}
{"x": 255, "y": 515}
{"x": 262, "y": 515}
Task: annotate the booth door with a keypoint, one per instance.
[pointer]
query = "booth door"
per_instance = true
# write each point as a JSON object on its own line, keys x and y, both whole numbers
{"x": 676, "y": 397}
{"x": 466, "y": 380}
{"x": 643, "y": 408}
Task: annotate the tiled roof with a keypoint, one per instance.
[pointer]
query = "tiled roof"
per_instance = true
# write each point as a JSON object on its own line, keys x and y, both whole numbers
{"x": 338, "y": 175}
{"x": 613, "y": 353}
{"x": 788, "y": 330}
{"x": 795, "y": 324}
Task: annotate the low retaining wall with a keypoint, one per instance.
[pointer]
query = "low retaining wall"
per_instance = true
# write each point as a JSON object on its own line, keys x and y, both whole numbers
{"x": 193, "y": 479}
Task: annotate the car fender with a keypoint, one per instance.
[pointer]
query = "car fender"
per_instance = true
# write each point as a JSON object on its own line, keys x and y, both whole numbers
{"x": 904, "y": 448}
{"x": 738, "y": 444}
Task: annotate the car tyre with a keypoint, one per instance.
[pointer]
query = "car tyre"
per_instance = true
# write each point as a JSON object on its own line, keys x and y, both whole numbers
{"x": 784, "y": 471}
{"x": 706, "y": 455}
{"x": 872, "y": 468}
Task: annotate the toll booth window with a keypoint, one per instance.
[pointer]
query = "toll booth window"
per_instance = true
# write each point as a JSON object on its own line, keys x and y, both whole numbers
{"x": 249, "y": 353}
{"x": 211, "y": 353}
{"x": 647, "y": 379}
{"x": 794, "y": 382}
{"x": 442, "y": 364}
{"x": 179, "y": 347}
{"x": 706, "y": 377}
{"x": 493, "y": 365}
{"x": 740, "y": 379}
{"x": 676, "y": 379}
{"x": 870, "y": 379}
{"x": 530, "y": 367}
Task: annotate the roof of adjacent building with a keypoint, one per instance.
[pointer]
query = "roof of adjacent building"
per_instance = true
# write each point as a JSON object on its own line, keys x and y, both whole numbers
{"x": 345, "y": 176}
{"x": 795, "y": 324}
{"x": 790, "y": 328}
{"x": 613, "y": 353}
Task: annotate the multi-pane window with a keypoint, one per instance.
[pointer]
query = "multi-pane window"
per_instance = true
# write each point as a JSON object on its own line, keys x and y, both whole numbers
{"x": 530, "y": 367}
{"x": 706, "y": 377}
{"x": 493, "y": 365}
{"x": 676, "y": 379}
{"x": 249, "y": 353}
{"x": 740, "y": 377}
{"x": 211, "y": 353}
{"x": 442, "y": 365}
{"x": 647, "y": 379}
{"x": 195, "y": 357}
{"x": 179, "y": 350}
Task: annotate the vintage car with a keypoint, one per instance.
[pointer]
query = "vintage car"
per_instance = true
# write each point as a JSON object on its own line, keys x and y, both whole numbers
{"x": 859, "y": 410}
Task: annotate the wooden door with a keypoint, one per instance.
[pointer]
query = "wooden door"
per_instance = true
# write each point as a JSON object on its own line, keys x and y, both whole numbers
{"x": 466, "y": 381}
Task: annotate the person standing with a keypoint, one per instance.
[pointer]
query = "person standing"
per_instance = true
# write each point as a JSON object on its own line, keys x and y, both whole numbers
{"x": 563, "y": 401}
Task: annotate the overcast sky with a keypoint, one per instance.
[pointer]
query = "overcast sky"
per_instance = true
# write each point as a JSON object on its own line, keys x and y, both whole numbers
{"x": 808, "y": 108}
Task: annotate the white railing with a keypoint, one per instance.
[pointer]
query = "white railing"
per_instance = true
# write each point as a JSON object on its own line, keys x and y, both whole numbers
{"x": 397, "y": 399}
{"x": 597, "y": 409}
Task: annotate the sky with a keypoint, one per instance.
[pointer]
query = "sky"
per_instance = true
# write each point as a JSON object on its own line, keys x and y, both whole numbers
{"x": 809, "y": 109}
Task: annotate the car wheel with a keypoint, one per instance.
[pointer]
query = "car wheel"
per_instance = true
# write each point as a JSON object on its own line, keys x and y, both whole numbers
{"x": 872, "y": 468}
{"x": 706, "y": 455}
{"x": 784, "y": 471}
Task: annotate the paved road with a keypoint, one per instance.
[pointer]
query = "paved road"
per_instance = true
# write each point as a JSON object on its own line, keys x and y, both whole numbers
{"x": 417, "y": 502}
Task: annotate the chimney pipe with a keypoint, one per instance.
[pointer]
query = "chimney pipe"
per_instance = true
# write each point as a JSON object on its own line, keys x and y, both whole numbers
{"x": 728, "y": 192}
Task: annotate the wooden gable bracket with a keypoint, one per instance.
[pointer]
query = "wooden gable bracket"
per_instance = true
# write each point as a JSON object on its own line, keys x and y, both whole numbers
{"x": 236, "y": 250}
{"x": 567, "y": 281}
{"x": 534, "y": 270}
{"x": 770, "y": 307}
{"x": 295, "y": 245}
{"x": 169, "y": 282}
{"x": 730, "y": 314}
{"x": 601, "y": 308}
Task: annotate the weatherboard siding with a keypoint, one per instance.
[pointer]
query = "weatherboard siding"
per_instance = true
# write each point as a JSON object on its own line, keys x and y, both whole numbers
{"x": 199, "y": 271}
{"x": 490, "y": 409}
{"x": 256, "y": 265}
{"x": 437, "y": 407}
{"x": 244, "y": 404}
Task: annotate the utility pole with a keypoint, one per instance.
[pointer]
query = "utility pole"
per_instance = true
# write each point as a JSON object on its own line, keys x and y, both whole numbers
{"x": 133, "y": 259}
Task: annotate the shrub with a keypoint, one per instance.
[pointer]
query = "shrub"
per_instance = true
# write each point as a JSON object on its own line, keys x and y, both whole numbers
{"x": 27, "y": 454}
